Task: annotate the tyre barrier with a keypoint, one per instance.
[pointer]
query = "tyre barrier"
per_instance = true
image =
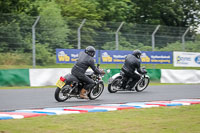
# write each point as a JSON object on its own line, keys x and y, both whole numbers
{"x": 26, "y": 113}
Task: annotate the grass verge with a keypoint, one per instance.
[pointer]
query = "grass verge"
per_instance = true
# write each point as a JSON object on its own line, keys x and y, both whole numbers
{"x": 179, "y": 119}
{"x": 103, "y": 66}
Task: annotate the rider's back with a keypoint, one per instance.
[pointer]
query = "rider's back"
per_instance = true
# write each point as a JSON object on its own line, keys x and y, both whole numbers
{"x": 131, "y": 63}
{"x": 82, "y": 64}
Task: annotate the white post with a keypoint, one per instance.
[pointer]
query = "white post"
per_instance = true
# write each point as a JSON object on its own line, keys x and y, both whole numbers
{"x": 33, "y": 40}
{"x": 153, "y": 37}
{"x": 117, "y": 37}
{"x": 79, "y": 33}
{"x": 183, "y": 38}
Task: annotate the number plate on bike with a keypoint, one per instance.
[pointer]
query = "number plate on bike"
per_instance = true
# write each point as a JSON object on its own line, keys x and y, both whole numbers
{"x": 60, "y": 83}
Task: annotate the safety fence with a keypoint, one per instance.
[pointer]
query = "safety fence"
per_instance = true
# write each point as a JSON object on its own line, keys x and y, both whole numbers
{"x": 32, "y": 40}
{"x": 48, "y": 77}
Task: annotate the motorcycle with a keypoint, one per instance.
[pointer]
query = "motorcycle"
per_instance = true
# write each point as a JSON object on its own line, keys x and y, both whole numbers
{"x": 69, "y": 86}
{"x": 116, "y": 81}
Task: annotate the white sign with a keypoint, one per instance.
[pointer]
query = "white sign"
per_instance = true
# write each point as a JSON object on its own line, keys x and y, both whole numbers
{"x": 186, "y": 59}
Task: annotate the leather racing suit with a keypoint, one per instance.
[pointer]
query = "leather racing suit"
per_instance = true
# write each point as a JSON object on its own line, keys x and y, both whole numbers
{"x": 129, "y": 67}
{"x": 84, "y": 61}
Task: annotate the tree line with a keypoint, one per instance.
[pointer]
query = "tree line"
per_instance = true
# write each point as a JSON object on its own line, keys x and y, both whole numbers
{"x": 59, "y": 20}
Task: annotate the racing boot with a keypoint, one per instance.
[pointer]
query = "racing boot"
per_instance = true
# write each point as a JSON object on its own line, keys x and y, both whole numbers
{"x": 83, "y": 94}
{"x": 128, "y": 87}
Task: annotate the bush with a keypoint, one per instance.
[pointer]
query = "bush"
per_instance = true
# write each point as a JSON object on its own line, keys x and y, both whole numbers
{"x": 43, "y": 56}
{"x": 15, "y": 59}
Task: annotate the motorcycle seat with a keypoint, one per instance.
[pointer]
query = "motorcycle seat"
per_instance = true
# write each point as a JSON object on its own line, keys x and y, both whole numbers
{"x": 70, "y": 78}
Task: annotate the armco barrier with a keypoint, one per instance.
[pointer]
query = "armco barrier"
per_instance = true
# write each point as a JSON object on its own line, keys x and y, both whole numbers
{"x": 180, "y": 76}
{"x": 110, "y": 74}
{"x": 49, "y": 76}
{"x": 46, "y": 77}
{"x": 14, "y": 77}
{"x": 154, "y": 74}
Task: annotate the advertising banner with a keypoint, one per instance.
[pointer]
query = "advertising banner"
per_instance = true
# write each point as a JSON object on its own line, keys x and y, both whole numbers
{"x": 157, "y": 57}
{"x": 186, "y": 59}
{"x": 70, "y": 55}
{"x": 113, "y": 56}
{"x": 147, "y": 57}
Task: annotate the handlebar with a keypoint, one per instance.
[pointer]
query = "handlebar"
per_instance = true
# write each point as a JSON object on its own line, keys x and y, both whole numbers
{"x": 143, "y": 69}
{"x": 98, "y": 65}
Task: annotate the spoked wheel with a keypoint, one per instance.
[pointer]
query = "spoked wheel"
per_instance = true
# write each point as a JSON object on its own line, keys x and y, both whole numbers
{"x": 114, "y": 86}
{"x": 142, "y": 84}
{"x": 96, "y": 91}
{"x": 59, "y": 95}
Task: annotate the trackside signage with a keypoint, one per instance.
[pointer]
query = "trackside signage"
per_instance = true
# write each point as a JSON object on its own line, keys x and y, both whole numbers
{"x": 147, "y": 57}
{"x": 70, "y": 55}
{"x": 186, "y": 59}
{"x": 113, "y": 56}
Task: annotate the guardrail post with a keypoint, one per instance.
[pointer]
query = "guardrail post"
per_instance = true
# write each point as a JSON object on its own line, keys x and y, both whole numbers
{"x": 117, "y": 36}
{"x": 153, "y": 37}
{"x": 33, "y": 40}
{"x": 183, "y": 38}
{"x": 79, "y": 33}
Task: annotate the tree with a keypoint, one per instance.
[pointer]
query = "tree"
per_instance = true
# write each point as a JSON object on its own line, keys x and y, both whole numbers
{"x": 11, "y": 39}
{"x": 52, "y": 28}
{"x": 168, "y": 12}
{"x": 116, "y": 10}
{"x": 79, "y": 9}
{"x": 74, "y": 12}
{"x": 15, "y": 6}
{"x": 177, "y": 46}
{"x": 43, "y": 56}
{"x": 12, "y": 14}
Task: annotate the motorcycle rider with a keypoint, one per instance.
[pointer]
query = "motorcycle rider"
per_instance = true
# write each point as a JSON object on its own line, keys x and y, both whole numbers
{"x": 131, "y": 64}
{"x": 85, "y": 60}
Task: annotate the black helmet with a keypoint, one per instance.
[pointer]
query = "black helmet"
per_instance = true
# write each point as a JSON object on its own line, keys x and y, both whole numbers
{"x": 90, "y": 51}
{"x": 137, "y": 53}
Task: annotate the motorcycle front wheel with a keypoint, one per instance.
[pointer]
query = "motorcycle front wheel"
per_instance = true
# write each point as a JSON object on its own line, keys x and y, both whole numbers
{"x": 114, "y": 86}
{"x": 96, "y": 91}
{"x": 142, "y": 85}
{"x": 59, "y": 96}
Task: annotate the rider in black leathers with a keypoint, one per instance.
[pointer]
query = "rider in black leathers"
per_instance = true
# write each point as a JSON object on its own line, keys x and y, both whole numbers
{"x": 131, "y": 64}
{"x": 85, "y": 60}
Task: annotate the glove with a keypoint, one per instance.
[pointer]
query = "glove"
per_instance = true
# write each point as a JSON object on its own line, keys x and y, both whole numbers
{"x": 144, "y": 71}
{"x": 102, "y": 72}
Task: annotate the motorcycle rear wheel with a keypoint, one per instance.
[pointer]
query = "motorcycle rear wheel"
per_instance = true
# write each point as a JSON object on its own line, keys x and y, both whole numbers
{"x": 96, "y": 92}
{"x": 59, "y": 95}
{"x": 142, "y": 85}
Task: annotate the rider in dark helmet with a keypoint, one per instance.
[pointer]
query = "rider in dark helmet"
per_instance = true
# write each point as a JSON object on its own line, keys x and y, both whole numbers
{"x": 131, "y": 64}
{"x": 85, "y": 60}
{"x": 137, "y": 53}
{"x": 90, "y": 51}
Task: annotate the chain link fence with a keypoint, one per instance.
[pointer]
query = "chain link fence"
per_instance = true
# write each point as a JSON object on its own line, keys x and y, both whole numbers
{"x": 19, "y": 35}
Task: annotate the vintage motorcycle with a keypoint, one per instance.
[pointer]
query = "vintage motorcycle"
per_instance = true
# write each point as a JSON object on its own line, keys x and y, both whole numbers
{"x": 69, "y": 86}
{"x": 116, "y": 81}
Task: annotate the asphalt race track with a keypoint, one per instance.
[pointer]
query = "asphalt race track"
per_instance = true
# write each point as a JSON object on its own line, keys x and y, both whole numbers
{"x": 12, "y": 99}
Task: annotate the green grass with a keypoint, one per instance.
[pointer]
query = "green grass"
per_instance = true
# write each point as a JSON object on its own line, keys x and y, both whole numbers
{"x": 103, "y": 66}
{"x": 180, "y": 119}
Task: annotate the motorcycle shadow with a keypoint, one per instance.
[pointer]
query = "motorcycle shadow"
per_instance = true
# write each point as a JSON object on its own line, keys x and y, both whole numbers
{"x": 129, "y": 92}
{"x": 75, "y": 101}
